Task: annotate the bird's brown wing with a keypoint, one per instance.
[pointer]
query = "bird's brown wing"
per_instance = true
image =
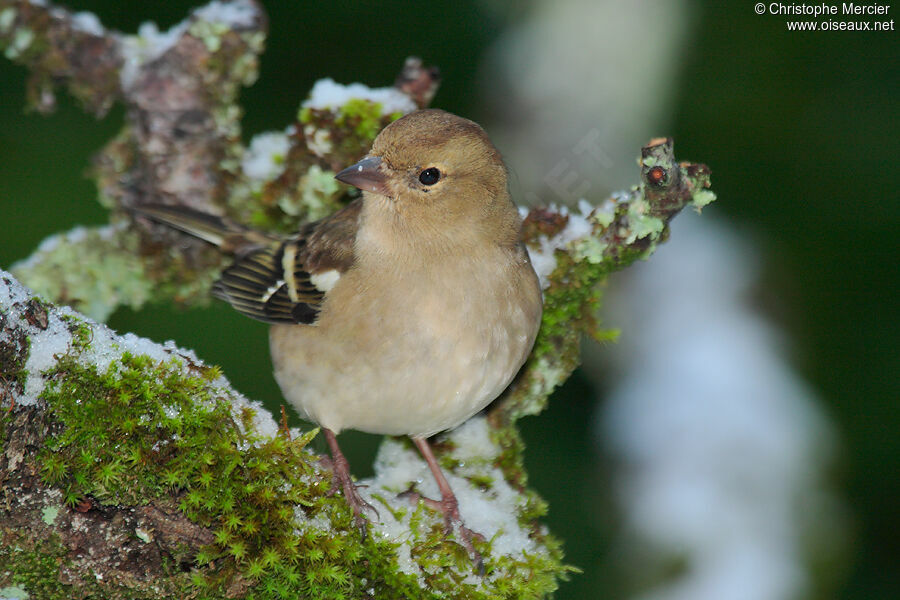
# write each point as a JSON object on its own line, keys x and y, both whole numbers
{"x": 277, "y": 283}
{"x": 272, "y": 280}
{"x": 329, "y": 241}
{"x": 268, "y": 284}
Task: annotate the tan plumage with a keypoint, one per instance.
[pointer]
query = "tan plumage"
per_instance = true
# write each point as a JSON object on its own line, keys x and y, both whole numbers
{"x": 406, "y": 312}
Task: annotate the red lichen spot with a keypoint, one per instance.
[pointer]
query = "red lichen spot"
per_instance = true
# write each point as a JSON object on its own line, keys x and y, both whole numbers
{"x": 657, "y": 175}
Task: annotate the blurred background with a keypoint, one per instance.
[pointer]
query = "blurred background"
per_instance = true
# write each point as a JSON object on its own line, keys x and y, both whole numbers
{"x": 740, "y": 441}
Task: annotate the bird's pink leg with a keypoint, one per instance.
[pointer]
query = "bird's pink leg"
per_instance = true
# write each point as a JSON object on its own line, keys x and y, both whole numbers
{"x": 448, "y": 504}
{"x": 341, "y": 477}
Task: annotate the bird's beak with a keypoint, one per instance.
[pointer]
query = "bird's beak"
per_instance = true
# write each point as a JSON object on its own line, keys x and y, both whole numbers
{"x": 366, "y": 175}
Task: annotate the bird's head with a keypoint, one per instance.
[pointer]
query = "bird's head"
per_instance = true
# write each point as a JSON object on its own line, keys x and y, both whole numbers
{"x": 439, "y": 171}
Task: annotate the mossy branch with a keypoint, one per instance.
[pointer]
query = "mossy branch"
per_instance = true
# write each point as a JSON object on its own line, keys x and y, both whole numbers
{"x": 134, "y": 470}
{"x": 138, "y": 472}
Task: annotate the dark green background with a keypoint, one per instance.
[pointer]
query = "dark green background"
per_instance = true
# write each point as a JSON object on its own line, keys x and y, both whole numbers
{"x": 800, "y": 130}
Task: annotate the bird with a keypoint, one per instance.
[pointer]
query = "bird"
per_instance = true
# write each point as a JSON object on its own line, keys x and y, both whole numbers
{"x": 406, "y": 312}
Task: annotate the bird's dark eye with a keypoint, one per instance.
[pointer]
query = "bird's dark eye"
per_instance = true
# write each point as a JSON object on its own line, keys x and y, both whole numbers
{"x": 429, "y": 176}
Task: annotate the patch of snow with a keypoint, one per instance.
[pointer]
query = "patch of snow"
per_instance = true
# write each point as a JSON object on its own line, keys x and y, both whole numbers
{"x": 327, "y": 94}
{"x": 104, "y": 346}
{"x": 578, "y": 226}
{"x": 149, "y": 44}
{"x": 473, "y": 441}
{"x": 238, "y": 13}
{"x": 88, "y": 23}
{"x": 492, "y": 512}
{"x": 264, "y": 159}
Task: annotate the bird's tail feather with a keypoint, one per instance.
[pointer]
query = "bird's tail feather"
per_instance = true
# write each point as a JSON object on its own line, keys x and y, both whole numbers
{"x": 227, "y": 235}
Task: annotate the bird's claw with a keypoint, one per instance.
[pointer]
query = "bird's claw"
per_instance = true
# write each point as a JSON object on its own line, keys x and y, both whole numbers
{"x": 341, "y": 480}
{"x": 358, "y": 505}
{"x": 449, "y": 507}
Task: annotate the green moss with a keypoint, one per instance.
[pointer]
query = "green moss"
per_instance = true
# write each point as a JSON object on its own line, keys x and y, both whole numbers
{"x": 570, "y": 307}
{"x": 14, "y": 351}
{"x": 33, "y": 568}
{"x": 81, "y": 331}
{"x": 341, "y": 135}
{"x": 36, "y": 568}
{"x": 246, "y": 67}
{"x": 210, "y": 33}
{"x": 363, "y": 116}
{"x": 183, "y": 279}
{"x": 648, "y": 161}
{"x": 142, "y": 430}
{"x": 332, "y": 138}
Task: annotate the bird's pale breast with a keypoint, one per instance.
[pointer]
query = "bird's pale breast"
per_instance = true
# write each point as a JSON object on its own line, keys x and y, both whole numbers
{"x": 445, "y": 342}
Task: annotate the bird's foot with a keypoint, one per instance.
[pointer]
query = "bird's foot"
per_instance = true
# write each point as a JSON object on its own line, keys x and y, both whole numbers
{"x": 449, "y": 507}
{"x": 342, "y": 480}
{"x": 357, "y": 504}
